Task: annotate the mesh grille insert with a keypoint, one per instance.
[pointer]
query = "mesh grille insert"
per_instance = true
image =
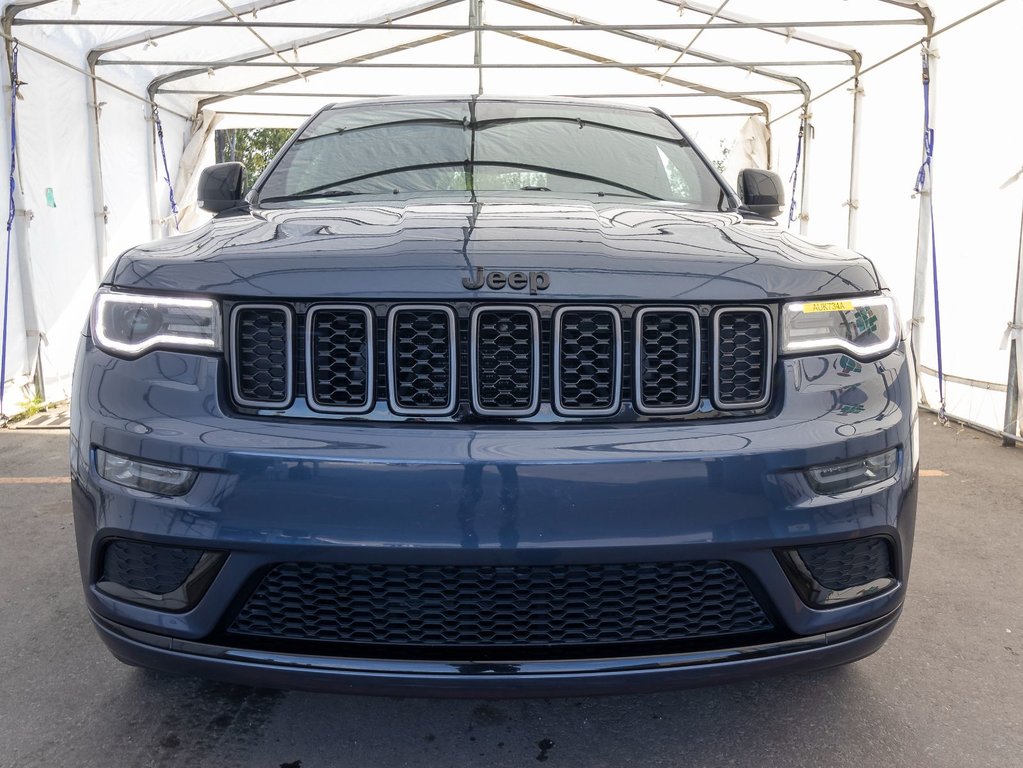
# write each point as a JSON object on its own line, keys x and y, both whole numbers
{"x": 849, "y": 563}
{"x": 340, "y": 375}
{"x": 500, "y": 605}
{"x": 150, "y": 568}
{"x": 588, "y": 359}
{"x": 667, "y": 359}
{"x": 262, "y": 360}
{"x": 423, "y": 358}
{"x": 743, "y": 352}
{"x": 506, "y": 360}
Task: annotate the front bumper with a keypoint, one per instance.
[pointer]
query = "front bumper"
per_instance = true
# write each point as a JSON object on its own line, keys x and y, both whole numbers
{"x": 580, "y": 677}
{"x": 418, "y": 494}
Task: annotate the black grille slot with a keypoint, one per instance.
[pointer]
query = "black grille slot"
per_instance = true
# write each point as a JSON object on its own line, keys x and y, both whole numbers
{"x": 262, "y": 360}
{"x": 506, "y": 360}
{"x": 667, "y": 360}
{"x": 849, "y": 563}
{"x": 423, "y": 359}
{"x": 742, "y": 357}
{"x": 588, "y": 360}
{"x": 340, "y": 354}
{"x": 500, "y": 605}
{"x": 151, "y": 568}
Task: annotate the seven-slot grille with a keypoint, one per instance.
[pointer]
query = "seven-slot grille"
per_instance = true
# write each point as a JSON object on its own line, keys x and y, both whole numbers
{"x": 502, "y": 360}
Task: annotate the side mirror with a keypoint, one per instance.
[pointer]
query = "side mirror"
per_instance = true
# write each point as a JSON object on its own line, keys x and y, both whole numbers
{"x": 220, "y": 187}
{"x": 761, "y": 192}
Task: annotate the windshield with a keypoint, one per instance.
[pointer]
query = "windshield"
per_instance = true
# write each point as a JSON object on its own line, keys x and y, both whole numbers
{"x": 484, "y": 146}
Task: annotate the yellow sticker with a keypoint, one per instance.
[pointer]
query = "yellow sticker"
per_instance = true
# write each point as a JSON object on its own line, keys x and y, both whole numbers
{"x": 827, "y": 306}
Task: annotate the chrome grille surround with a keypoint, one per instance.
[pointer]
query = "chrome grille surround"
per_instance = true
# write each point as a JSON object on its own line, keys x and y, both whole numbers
{"x": 370, "y": 353}
{"x": 235, "y": 357}
{"x": 641, "y": 404}
{"x": 766, "y": 365}
{"x": 393, "y": 395}
{"x": 615, "y": 366}
{"x": 474, "y": 365}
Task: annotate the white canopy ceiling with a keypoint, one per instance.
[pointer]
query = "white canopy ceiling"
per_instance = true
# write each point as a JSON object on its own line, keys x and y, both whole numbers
{"x": 288, "y": 56}
{"x": 92, "y": 173}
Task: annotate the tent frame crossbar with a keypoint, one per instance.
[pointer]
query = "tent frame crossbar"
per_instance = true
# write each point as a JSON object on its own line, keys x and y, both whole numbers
{"x": 724, "y": 63}
{"x": 407, "y": 27}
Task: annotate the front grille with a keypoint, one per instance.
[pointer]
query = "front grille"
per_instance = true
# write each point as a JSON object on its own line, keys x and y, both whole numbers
{"x": 463, "y": 360}
{"x": 505, "y": 360}
{"x": 261, "y": 373}
{"x": 152, "y": 568}
{"x": 742, "y": 355}
{"x": 588, "y": 345}
{"x": 339, "y": 367}
{"x": 849, "y": 564}
{"x": 487, "y": 606}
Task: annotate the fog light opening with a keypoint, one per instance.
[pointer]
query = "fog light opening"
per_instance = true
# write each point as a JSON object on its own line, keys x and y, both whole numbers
{"x": 840, "y": 572}
{"x": 161, "y": 576}
{"x": 146, "y": 476}
{"x": 829, "y": 479}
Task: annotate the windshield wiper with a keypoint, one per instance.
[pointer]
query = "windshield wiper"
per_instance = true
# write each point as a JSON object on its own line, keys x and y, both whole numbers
{"x": 323, "y": 193}
{"x": 318, "y": 190}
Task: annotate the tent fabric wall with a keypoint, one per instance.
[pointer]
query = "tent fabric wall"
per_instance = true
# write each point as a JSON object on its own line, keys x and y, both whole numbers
{"x": 61, "y": 252}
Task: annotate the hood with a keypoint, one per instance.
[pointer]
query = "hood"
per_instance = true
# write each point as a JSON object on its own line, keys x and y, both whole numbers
{"x": 390, "y": 248}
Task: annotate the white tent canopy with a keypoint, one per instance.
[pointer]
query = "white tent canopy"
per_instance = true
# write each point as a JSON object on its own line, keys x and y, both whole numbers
{"x": 839, "y": 81}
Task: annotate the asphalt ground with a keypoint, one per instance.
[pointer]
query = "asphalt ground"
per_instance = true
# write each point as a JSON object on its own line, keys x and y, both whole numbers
{"x": 946, "y": 690}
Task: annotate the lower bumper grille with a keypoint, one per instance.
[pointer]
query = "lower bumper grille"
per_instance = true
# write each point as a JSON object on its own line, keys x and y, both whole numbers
{"x": 481, "y": 606}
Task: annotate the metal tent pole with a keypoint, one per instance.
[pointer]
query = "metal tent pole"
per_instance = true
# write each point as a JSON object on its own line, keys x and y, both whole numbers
{"x": 153, "y": 175}
{"x": 804, "y": 191}
{"x": 22, "y": 217}
{"x": 1014, "y": 388}
{"x": 923, "y": 232}
{"x": 854, "y": 164}
{"x": 99, "y": 206}
{"x": 784, "y": 25}
{"x": 475, "y": 19}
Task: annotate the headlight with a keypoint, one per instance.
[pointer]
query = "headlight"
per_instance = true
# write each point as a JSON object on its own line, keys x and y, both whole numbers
{"x": 130, "y": 324}
{"x": 863, "y": 327}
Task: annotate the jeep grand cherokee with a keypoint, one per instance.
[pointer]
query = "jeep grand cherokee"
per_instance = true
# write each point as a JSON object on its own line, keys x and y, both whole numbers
{"x": 492, "y": 397}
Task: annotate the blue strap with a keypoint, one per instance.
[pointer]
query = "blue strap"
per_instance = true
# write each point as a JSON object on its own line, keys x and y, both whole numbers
{"x": 166, "y": 168}
{"x": 10, "y": 221}
{"x": 922, "y": 177}
{"x": 795, "y": 170}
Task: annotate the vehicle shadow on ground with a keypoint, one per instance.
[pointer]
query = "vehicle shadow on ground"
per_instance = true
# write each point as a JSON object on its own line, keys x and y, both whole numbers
{"x": 779, "y": 719}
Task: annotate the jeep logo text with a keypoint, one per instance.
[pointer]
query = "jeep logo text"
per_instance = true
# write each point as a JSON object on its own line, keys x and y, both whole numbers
{"x": 536, "y": 281}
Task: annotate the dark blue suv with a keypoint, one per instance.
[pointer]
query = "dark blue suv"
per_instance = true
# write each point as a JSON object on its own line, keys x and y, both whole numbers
{"x": 492, "y": 397}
